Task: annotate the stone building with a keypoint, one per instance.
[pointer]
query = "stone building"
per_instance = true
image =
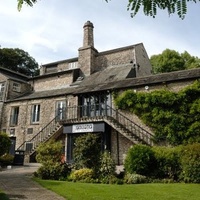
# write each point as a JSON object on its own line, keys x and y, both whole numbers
{"x": 74, "y": 96}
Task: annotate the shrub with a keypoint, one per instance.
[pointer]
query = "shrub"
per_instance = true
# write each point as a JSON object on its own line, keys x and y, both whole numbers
{"x": 49, "y": 154}
{"x": 50, "y": 151}
{"x": 49, "y": 170}
{"x": 6, "y": 159}
{"x": 190, "y": 162}
{"x": 168, "y": 162}
{"x": 66, "y": 170}
{"x": 135, "y": 178}
{"x": 54, "y": 171}
{"x": 111, "y": 180}
{"x": 84, "y": 174}
{"x": 165, "y": 180}
{"x": 140, "y": 159}
{"x": 107, "y": 165}
{"x": 87, "y": 151}
{"x": 5, "y": 143}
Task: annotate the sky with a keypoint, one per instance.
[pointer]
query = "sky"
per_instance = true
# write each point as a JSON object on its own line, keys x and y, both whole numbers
{"x": 52, "y": 30}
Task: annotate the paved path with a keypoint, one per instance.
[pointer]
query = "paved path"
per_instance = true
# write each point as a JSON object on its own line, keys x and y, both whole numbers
{"x": 17, "y": 184}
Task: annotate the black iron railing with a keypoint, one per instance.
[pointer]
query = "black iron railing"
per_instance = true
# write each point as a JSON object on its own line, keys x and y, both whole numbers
{"x": 41, "y": 136}
{"x": 113, "y": 116}
{"x": 89, "y": 112}
{"x": 131, "y": 128}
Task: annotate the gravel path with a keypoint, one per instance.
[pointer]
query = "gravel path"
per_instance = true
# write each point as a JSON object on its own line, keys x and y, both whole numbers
{"x": 17, "y": 184}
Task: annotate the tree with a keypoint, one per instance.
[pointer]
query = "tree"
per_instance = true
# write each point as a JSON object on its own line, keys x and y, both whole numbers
{"x": 170, "y": 60}
{"x": 150, "y": 7}
{"x": 167, "y": 61}
{"x": 190, "y": 61}
{"x": 18, "y": 60}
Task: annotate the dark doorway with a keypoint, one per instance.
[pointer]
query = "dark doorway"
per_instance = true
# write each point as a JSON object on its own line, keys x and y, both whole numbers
{"x": 13, "y": 144}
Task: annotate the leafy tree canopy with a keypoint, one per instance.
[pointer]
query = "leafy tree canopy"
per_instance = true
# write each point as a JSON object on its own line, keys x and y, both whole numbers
{"x": 150, "y": 7}
{"x": 171, "y": 60}
{"x": 18, "y": 60}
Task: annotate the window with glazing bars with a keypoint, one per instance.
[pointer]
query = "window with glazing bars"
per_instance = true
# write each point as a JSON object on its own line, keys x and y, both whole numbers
{"x": 14, "y": 116}
{"x": 35, "y": 115}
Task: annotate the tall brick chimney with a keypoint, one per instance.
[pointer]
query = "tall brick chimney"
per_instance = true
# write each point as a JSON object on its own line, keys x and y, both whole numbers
{"x": 87, "y": 53}
{"x": 88, "y": 39}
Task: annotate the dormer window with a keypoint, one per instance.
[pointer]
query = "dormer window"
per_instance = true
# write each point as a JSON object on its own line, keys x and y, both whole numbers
{"x": 73, "y": 65}
{"x": 16, "y": 87}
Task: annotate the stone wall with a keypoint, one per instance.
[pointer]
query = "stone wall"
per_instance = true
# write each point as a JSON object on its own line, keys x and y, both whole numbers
{"x": 136, "y": 55}
{"x": 53, "y": 82}
{"x": 114, "y": 58}
{"x": 23, "y": 88}
{"x": 3, "y": 78}
{"x": 25, "y": 130}
{"x": 143, "y": 65}
{"x": 124, "y": 145}
{"x": 86, "y": 60}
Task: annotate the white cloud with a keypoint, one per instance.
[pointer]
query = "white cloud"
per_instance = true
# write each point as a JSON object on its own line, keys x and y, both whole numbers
{"x": 52, "y": 30}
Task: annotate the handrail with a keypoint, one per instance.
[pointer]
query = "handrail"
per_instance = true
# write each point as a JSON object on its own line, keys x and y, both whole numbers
{"x": 97, "y": 110}
{"x": 128, "y": 124}
{"x": 40, "y": 136}
{"x": 89, "y": 112}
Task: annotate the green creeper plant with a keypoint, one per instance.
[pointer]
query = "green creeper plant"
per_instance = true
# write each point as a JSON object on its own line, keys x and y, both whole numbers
{"x": 174, "y": 117}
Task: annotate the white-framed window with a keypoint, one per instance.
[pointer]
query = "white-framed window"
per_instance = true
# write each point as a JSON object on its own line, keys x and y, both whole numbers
{"x": 16, "y": 87}
{"x": 2, "y": 88}
{"x": 14, "y": 116}
{"x": 35, "y": 114}
{"x": 60, "y": 110}
{"x": 73, "y": 65}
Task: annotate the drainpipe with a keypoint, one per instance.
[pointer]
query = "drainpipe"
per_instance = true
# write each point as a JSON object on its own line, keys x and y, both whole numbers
{"x": 118, "y": 161}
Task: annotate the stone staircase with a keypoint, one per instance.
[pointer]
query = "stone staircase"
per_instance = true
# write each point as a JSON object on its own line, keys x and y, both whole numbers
{"x": 133, "y": 132}
{"x": 112, "y": 117}
{"x": 116, "y": 120}
{"x": 52, "y": 129}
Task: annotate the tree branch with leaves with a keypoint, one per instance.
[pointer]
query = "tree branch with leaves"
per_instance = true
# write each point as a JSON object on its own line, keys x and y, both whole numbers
{"x": 28, "y": 2}
{"x": 150, "y": 7}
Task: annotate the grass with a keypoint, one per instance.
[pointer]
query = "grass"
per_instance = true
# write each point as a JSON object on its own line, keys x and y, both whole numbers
{"x": 87, "y": 191}
{"x": 3, "y": 196}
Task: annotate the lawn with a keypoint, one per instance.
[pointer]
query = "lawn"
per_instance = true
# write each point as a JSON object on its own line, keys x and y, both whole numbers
{"x": 85, "y": 191}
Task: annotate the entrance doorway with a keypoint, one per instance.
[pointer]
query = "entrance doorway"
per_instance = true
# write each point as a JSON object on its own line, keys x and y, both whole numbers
{"x": 75, "y": 130}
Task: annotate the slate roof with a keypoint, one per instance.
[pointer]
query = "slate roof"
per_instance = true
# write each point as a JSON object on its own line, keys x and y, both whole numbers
{"x": 110, "y": 74}
{"x": 13, "y": 75}
{"x": 100, "y": 82}
{"x": 45, "y": 94}
{"x": 132, "y": 82}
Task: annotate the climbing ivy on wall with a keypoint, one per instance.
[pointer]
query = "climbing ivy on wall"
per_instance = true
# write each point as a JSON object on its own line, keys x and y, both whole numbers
{"x": 174, "y": 117}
